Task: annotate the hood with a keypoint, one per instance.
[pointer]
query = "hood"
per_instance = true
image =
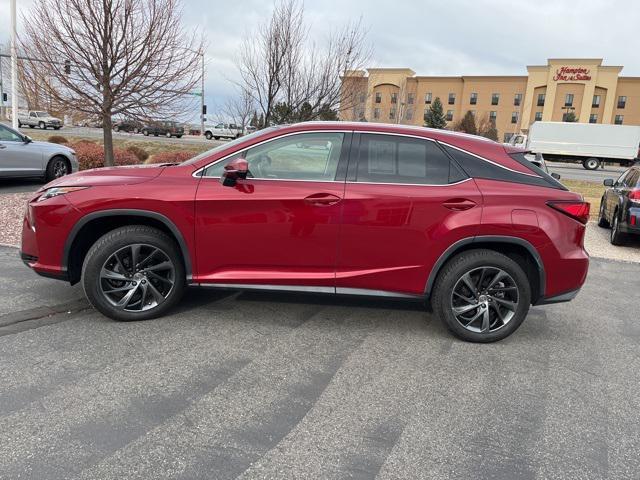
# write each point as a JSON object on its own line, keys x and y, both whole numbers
{"x": 49, "y": 146}
{"x": 129, "y": 175}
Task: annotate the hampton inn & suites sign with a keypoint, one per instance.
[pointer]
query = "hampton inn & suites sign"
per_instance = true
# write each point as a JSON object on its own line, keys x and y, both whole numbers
{"x": 572, "y": 74}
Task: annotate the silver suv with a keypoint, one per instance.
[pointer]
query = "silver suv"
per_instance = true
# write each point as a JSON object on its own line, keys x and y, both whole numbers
{"x": 22, "y": 157}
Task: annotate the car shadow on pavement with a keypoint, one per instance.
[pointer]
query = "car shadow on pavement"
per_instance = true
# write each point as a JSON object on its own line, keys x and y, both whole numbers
{"x": 20, "y": 185}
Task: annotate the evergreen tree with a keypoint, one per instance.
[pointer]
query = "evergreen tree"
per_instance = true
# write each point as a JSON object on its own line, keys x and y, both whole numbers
{"x": 254, "y": 120}
{"x": 434, "y": 118}
{"x": 467, "y": 124}
{"x": 491, "y": 133}
{"x": 261, "y": 121}
{"x": 570, "y": 117}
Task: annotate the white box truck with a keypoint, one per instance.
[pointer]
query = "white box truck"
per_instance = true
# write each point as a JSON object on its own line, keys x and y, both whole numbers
{"x": 588, "y": 143}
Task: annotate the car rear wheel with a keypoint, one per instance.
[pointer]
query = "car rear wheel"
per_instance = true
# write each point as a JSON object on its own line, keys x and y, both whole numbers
{"x": 116, "y": 128}
{"x": 616, "y": 237}
{"x": 602, "y": 219}
{"x": 208, "y": 135}
{"x": 168, "y": 134}
{"x": 42, "y": 126}
{"x": 145, "y": 133}
{"x": 133, "y": 273}
{"x": 56, "y": 168}
{"x": 482, "y": 296}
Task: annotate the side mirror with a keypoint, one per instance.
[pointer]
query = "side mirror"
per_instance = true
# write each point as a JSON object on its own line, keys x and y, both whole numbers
{"x": 233, "y": 171}
{"x": 556, "y": 175}
{"x": 608, "y": 182}
{"x": 27, "y": 139}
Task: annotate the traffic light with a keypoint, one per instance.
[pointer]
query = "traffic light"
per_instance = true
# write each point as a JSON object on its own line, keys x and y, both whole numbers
{"x": 67, "y": 67}
{"x": 204, "y": 109}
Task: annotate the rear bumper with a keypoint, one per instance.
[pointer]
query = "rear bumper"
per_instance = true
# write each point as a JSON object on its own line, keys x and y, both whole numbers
{"x": 563, "y": 297}
{"x": 631, "y": 224}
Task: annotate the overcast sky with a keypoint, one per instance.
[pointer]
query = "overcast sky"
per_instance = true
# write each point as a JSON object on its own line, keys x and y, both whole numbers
{"x": 443, "y": 37}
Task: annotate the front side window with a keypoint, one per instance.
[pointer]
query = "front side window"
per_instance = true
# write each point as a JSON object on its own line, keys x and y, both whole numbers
{"x": 8, "y": 135}
{"x": 495, "y": 99}
{"x": 305, "y": 156}
{"x": 390, "y": 159}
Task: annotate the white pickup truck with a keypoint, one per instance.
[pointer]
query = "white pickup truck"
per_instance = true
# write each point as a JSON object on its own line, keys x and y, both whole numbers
{"x": 222, "y": 130}
{"x": 587, "y": 143}
{"x": 40, "y": 119}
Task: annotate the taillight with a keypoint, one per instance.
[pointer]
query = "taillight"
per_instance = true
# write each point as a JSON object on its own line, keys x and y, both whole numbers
{"x": 573, "y": 209}
{"x": 634, "y": 195}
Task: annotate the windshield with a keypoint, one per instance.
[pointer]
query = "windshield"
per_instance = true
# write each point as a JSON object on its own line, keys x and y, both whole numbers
{"x": 227, "y": 145}
{"x": 42, "y": 114}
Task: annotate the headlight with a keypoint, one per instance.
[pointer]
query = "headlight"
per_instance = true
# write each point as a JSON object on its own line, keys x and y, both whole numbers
{"x": 55, "y": 191}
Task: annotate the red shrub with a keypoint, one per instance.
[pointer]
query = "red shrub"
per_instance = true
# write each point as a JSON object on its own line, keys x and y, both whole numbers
{"x": 171, "y": 157}
{"x": 91, "y": 155}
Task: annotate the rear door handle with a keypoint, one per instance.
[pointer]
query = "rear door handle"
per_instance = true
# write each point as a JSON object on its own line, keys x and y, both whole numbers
{"x": 459, "y": 204}
{"x": 322, "y": 199}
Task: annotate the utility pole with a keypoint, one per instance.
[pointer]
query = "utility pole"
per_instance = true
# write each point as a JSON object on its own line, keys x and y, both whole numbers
{"x": 14, "y": 68}
{"x": 1, "y": 92}
{"x": 202, "y": 98}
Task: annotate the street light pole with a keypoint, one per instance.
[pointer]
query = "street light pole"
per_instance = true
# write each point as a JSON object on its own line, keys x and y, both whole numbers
{"x": 201, "y": 98}
{"x": 14, "y": 68}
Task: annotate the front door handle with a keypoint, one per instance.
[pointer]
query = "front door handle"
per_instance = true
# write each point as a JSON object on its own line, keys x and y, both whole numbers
{"x": 322, "y": 199}
{"x": 459, "y": 204}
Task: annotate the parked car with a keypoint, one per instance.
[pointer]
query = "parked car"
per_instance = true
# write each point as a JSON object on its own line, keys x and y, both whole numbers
{"x": 22, "y": 157}
{"x": 620, "y": 206}
{"x": 40, "y": 119}
{"x": 462, "y": 222}
{"x": 167, "y": 129}
{"x": 128, "y": 126}
{"x": 590, "y": 144}
{"x": 92, "y": 122}
{"x": 222, "y": 130}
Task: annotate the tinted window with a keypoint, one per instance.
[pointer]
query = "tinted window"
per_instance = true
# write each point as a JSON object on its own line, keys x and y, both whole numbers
{"x": 394, "y": 159}
{"x": 7, "y": 135}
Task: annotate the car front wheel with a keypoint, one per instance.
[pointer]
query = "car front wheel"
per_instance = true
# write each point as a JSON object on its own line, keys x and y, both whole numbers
{"x": 57, "y": 167}
{"x": 133, "y": 273}
{"x": 616, "y": 237}
{"x": 482, "y": 296}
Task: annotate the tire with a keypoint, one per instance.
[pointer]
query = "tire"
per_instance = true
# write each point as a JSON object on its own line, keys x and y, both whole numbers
{"x": 136, "y": 130}
{"x": 56, "y": 128}
{"x": 19, "y": 124}
{"x": 100, "y": 258}
{"x": 31, "y": 126}
{"x": 602, "y": 218}
{"x": 616, "y": 237}
{"x": 216, "y": 138}
{"x": 178, "y": 136}
{"x": 116, "y": 128}
{"x": 168, "y": 134}
{"x": 208, "y": 135}
{"x": 42, "y": 126}
{"x": 591, "y": 163}
{"x": 145, "y": 133}
{"x": 56, "y": 168}
{"x": 502, "y": 321}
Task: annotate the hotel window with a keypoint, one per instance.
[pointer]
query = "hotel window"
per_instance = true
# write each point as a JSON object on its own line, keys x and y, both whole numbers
{"x": 495, "y": 98}
{"x": 363, "y": 97}
{"x": 593, "y": 118}
{"x": 376, "y": 113}
{"x": 409, "y": 114}
{"x": 410, "y": 98}
{"x": 449, "y": 116}
{"x": 622, "y": 102}
{"x": 426, "y": 112}
{"x": 361, "y": 115}
{"x": 392, "y": 114}
{"x": 595, "y": 103}
{"x": 394, "y": 97}
{"x": 452, "y": 98}
{"x": 538, "y": 117}
{"x": 378, "y": 97}
{"x": 474, "y": 99}
{"x": 541, "y": 97}
{"x": 517, "y": 100}
{"x": 427, "y": 97}
{"x": 493, "y": 115}
{"x": 507, "y": 137}
{"x": 568, "y": 100}
{"x": 514, "y": 117}
{"x": 619, "y": 119}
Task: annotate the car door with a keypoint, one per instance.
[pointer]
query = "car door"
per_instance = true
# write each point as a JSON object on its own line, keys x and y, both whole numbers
{"x": 405, "y": 203}
{"x": 17, "y": 157}
{"x": 280, "y": 226}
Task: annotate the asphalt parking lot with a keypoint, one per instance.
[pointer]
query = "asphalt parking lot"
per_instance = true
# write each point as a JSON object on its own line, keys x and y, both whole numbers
{"x": 239, "y": 385}
{"x": 575, "y": 171}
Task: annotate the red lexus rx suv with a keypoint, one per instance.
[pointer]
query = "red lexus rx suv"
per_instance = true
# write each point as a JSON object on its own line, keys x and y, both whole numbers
{"x": 465, "y": 223}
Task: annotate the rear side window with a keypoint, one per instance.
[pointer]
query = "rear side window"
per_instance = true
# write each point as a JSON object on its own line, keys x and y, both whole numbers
{"x": 478, "y": 168}
{"x": 632, "y": 178}
{"x": 395, "y": 159}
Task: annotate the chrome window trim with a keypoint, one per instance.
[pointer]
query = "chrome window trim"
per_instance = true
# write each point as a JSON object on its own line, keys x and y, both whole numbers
{"x": 489, "y": 161}
{"x": 197, "y": 172}
{"x": 412, "y": 184}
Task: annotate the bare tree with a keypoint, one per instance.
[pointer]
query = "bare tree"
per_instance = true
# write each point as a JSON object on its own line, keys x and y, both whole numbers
{"x": 240, "y": 108}
{"x": 279, "y": 65}
{"x": 113, "y": 57}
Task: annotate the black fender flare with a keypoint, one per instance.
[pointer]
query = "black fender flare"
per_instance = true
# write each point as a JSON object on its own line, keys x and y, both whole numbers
{"x": 453, "y": 249}
{"x": 130, "y": 213}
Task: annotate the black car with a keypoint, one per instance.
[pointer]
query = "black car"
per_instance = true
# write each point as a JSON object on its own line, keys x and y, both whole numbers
{"x": 620, "y": 205}
{"x": 168, "y": 129}
{"x": 128, "y": 126}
